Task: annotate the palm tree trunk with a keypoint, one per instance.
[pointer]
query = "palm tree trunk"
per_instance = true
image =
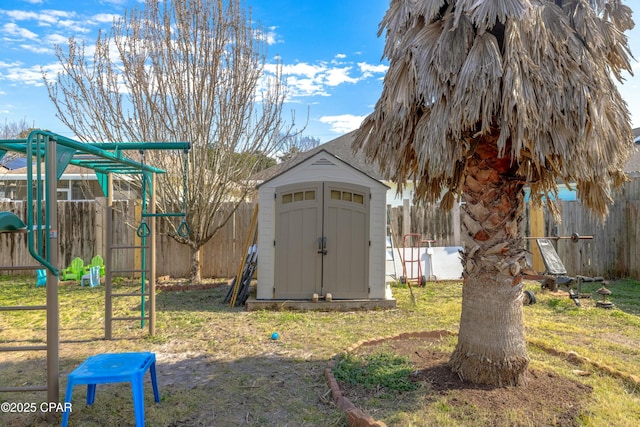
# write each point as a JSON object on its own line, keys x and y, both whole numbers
{"x": 491, "y": 345}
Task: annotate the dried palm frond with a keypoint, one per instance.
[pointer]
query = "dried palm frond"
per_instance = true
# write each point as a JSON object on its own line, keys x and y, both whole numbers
{"x": 487, "y": 13}
{"x": 537, "y": 75}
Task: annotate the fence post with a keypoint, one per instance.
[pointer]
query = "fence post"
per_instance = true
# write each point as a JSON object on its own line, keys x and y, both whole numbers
{"x": 137, "y": 218}
{"x": 100, "y": 209}
{"x": 536, "y": 229}
{"x": 455, "y": 223}
{"x": 406, "y": 217}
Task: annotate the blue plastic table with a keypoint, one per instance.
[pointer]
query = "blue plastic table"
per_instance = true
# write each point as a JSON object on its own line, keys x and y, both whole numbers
{"x": 114, "y": 368}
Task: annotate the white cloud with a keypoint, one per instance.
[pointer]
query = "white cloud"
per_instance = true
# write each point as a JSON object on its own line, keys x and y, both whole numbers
{"x": 48, "y": 19}
{"x": 73, "y": 25}
{"x": 61, "y": 13}
{"x": 21, "y": 15}
{"x": 10, "y": 64}
{"x": 301, "y": 87}
{"x": 28, "y": 75}
{"x": 120, "y": 2}
{"x": 338, "y": 76}
{"x": 44, "y": 18}
{"x": 36, "y": 49}
{"x": 106, "y": 18}
{"x": 372, "y": 69}
{"x": 14, "y": 30}
{"x": 54, "y": 39}
{"x": 268, "y": 35}
{"x": 316, "y": 79}
{"x": 343, "y": 123}
{"x": 303, "y": 69}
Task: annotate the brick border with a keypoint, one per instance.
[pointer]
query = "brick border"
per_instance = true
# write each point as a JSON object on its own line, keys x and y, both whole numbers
{"x": 355, "y": 416}
{"x": 576, "y": 359}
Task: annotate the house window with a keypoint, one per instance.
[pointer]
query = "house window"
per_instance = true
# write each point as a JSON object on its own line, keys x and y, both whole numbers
{"x": 80, "y": 190}
{"x": 63, "y": 194}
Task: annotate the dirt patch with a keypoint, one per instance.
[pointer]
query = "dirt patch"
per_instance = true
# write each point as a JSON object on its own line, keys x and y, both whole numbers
{"x": 546, "y": 399}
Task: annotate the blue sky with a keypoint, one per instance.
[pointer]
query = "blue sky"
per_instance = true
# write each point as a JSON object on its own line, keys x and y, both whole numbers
{"x": 329, "y": 49}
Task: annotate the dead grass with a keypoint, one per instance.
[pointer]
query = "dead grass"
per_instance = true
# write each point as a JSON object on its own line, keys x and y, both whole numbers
{"x": 217, "y": 366}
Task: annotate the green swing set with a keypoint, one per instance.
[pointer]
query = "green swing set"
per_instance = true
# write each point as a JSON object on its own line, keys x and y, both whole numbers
{"x": 183, "y": 230}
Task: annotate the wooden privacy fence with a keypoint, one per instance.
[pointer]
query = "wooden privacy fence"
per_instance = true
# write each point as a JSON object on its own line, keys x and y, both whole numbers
{"x": 613, "y": 252}
{"x": 219, "y": 257}
{"x": 81, "y": 234}
{"x": 430, "y": 222}
{"x": 615, "y": 248}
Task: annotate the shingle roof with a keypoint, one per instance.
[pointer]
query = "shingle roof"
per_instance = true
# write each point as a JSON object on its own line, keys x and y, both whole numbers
{"x": 70, "y": 169}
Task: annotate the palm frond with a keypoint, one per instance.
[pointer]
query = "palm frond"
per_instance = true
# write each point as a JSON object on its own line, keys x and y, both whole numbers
{"x": 485, "y": 14}
{"x": 536, "y": 76}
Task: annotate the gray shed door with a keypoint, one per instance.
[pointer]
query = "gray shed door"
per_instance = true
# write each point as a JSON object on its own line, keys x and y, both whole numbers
{"x": 322, "y": 241}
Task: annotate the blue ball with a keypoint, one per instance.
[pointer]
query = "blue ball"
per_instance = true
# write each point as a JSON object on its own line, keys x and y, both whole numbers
{"x": 275, "y": 336}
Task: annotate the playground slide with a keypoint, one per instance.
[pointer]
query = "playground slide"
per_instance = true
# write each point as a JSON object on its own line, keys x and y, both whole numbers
{"x": 10, "y": 222}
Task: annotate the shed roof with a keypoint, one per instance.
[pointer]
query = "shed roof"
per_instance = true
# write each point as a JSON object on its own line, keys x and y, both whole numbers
{"x": 317, "y": 153}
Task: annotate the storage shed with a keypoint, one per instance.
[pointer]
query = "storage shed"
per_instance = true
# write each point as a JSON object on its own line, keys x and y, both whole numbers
{"x": 321, "y": 230}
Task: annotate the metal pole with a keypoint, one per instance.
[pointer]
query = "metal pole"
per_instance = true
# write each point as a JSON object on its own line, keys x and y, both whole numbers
{"x": 152, "y": 259}
{"x": 108, "y": 262}
{"x": 52, "y": 248}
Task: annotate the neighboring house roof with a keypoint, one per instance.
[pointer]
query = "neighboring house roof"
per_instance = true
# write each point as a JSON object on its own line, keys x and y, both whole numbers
{"x": 72, "y": 171}
{"x": 339, "y": 147}
{"x": 12, "y": 163}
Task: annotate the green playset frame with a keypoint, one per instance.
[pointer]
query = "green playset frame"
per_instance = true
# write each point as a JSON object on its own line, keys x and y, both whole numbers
{"x": 48, "y": 154}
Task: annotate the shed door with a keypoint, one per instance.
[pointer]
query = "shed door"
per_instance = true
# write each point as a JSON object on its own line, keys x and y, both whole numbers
{"x": 322, "y": 241}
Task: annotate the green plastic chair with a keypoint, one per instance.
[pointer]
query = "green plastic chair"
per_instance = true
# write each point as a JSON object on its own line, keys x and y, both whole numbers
{"x": 96, "y": 261}
{"x": 75, "y": 271}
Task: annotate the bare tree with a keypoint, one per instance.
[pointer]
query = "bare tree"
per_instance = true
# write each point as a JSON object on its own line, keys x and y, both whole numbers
{"x": 483, "y": 97}
{"x": 296, "y": 144}
{"x": 14, "y": 129}
{"x": 189, "y": 70}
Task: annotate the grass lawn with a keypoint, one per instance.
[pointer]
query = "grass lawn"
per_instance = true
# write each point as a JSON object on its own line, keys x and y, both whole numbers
{"x": 218, "y": 366}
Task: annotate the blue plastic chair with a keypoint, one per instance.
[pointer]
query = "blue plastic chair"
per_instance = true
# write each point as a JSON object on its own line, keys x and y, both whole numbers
{"x": 42, "y": 278}
{"x": 114, "y": 368}
{"x": 93, "y": 277}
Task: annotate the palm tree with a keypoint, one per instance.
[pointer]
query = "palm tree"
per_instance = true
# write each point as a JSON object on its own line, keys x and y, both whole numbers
{"x": 482, "y": 98}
